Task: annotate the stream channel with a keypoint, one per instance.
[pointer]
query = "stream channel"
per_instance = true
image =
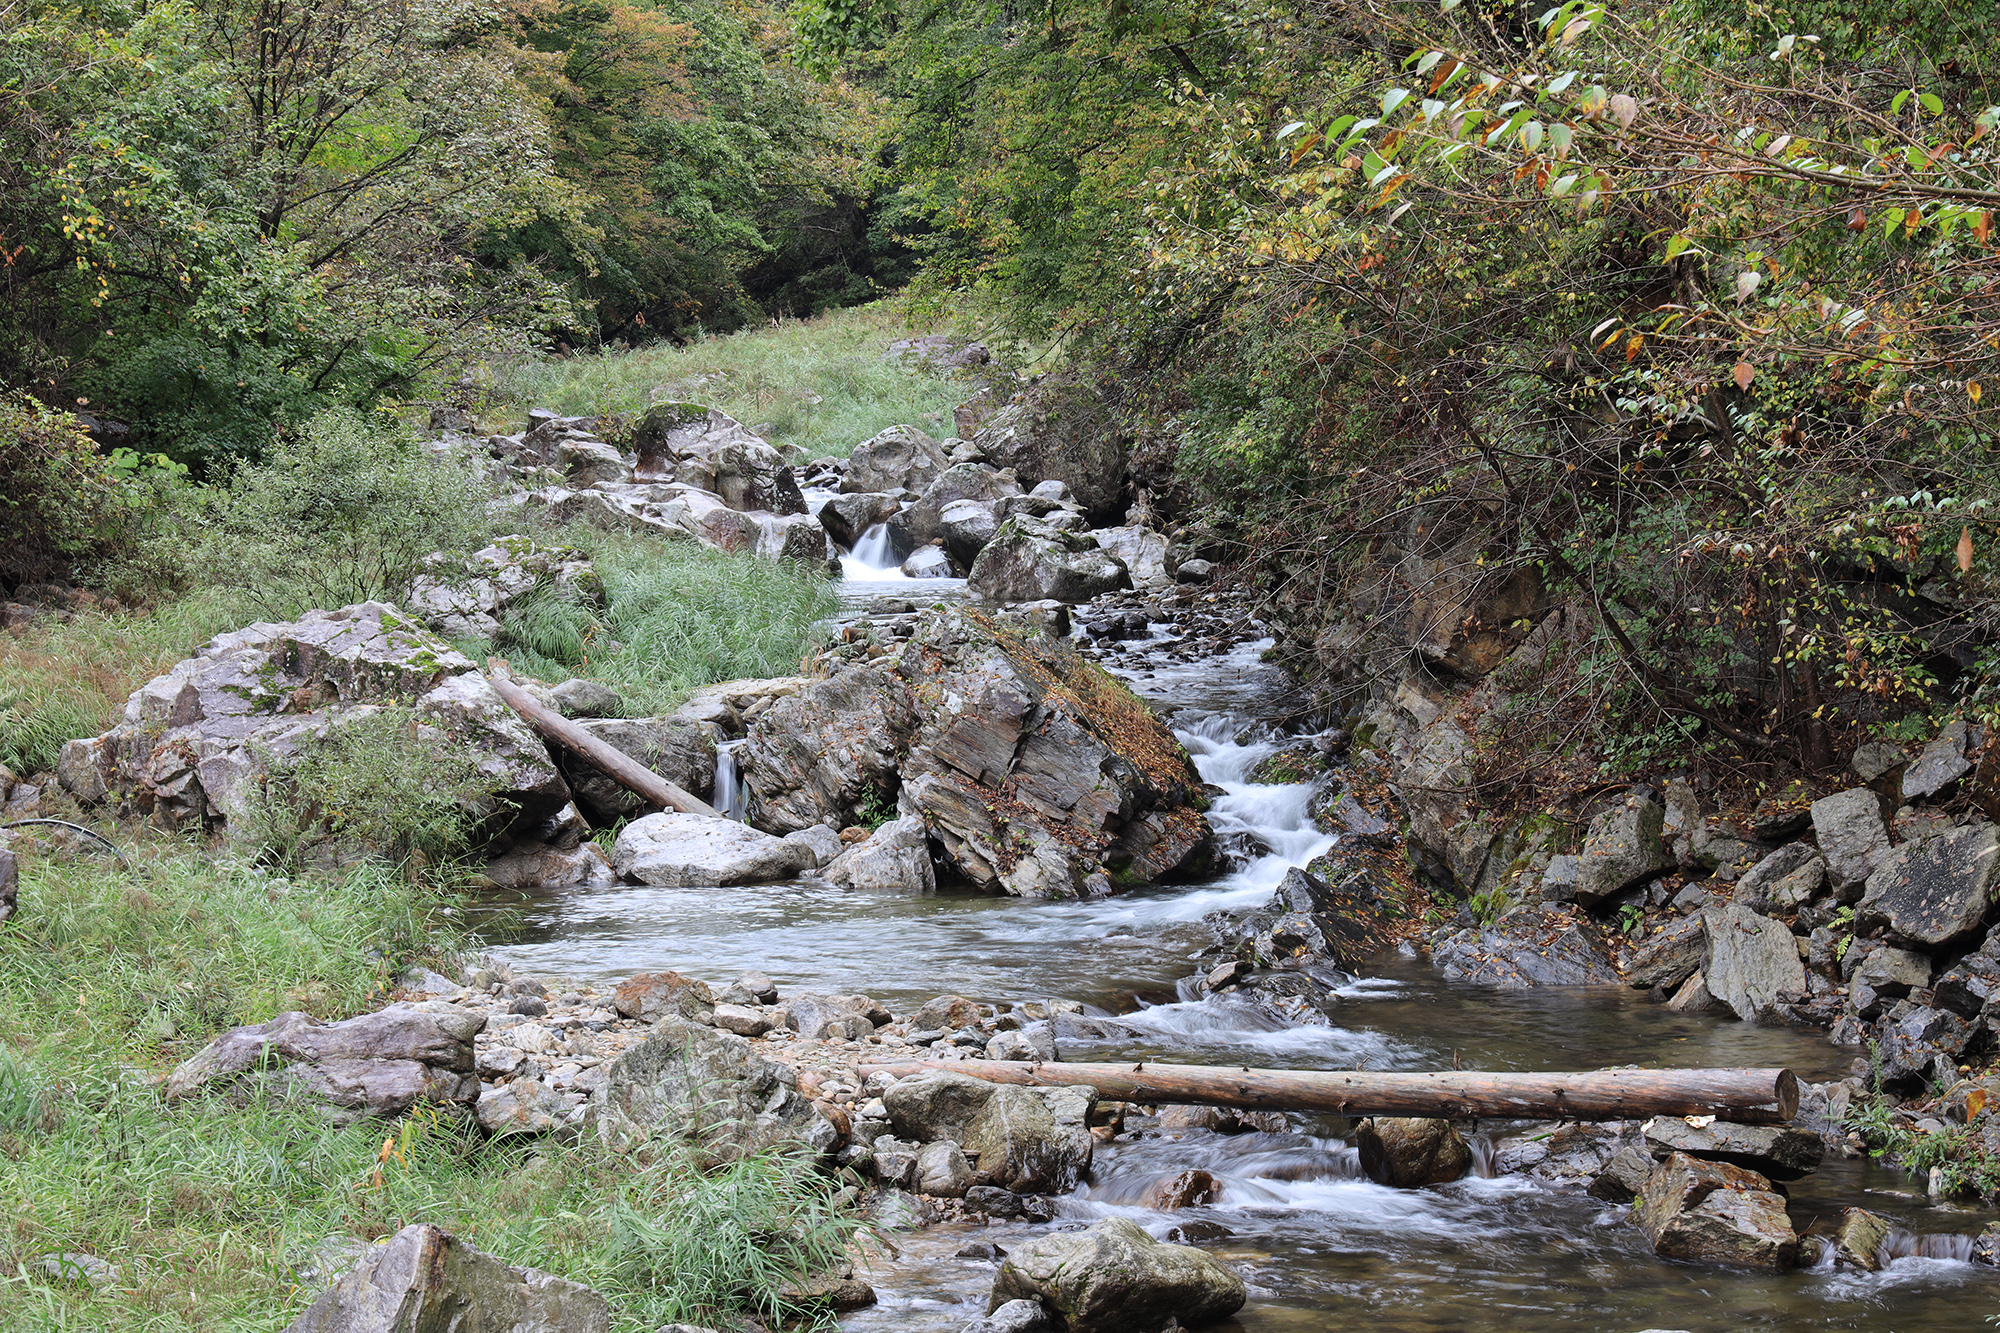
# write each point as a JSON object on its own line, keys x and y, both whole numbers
{"x": 1320, "y": 1246}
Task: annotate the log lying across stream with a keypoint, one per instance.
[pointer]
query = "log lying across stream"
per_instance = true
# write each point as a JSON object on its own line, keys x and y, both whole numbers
{"x": 1747, "y": 1096}
{"x": 613, "y": 763}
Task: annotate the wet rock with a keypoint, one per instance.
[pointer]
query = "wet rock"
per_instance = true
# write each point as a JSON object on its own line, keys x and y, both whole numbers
{"x": 675, "y": 849}
{"x": 822, "y": 754}
{"x": 1782, "y": 881}
{"x": 1621, "y": 1178}
{"x": 1858, "y": 1241}
{"x": 1986, "y": 1248}
{"x": 1625, "y": 847}
{"x": 425, "y": 1279}
{"x": 927, "y": 562}
{"x": 651, "y": 996}
{"x": 1309, "y": 921}
{"x": 1776, "y": 1152}
{"x": 1013, "y": 1317}
{"x": 1853, "y": 837}
{"x": 1028, "y": 559}
{"x": 1528, "y": 947}
{"x": 710, "y": 1089}
{"x": 847, "y": 518}
{"x": 1935, "y": 891}
{"x": 1570, "y": 1157}
{"x": 1885, "y": 975}
{"x": 1189, "y": 1189}
{"x": 1669, "y": 955}
{"x": 378, "y": 1064}
{"x": 1710, "y": 1212}
{"x": 942, "y": 1170}
{"x": 1032, "y": 1140}
{"x": 1752, "y": 964}
{"x": 996, "y": 1202}
{"x": 1941, "y": 764}
{"x": 899, "y": 458}
{"x": 1114, "y": 1278}
{"x": 895, "y": 858}
{"x": 818, "y": 845}
{"x": 679, "y": 749}
{"x": 1409, "y": 1152}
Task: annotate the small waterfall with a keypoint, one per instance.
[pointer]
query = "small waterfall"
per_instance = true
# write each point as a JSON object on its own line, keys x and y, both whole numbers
{"x": 732, "y": 797}
{"x": 872, "y": 557}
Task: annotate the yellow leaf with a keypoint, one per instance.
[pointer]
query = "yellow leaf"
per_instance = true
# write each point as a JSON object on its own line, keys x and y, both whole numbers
{"x": 1965, "y": 550}
{"x": 1972, "y": 390}
{"x": 1975, "y": 1102}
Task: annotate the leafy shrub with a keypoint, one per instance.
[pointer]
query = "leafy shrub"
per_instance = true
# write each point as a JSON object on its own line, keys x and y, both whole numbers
{"x": 383, "y": 782}
{"x": 346, "y": 512}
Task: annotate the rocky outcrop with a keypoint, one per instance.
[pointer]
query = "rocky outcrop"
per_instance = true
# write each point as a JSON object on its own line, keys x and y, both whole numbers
{"x": 709, "y": 1089}
{"x": 1935, "y": 891}
{"x": 1032, "y": 773}
{"x": 1853, "y": 837}
{"x": 899, "y": 458}
{"x": 195, "y": 744}
{"x": 379, "y": 1064}
{"x": 1752, "y": 964}
{"x": 672, "y": 849}
{"x": 466, "y": 603}
{"x": 1714, "y": 1213}
{"x": 1063, "y": 433}
{"x": 1624, "y": 848}
{"x": 1149, "y": 557}
{"x": 1408, "y": 1153}
{"x": 1114, "y": 1278}
{"x": 1310, "y": 921}
{"x": 424, "y": 1280}
{"x": 1527, "y": 947}
{"x": 1028, "y": 560}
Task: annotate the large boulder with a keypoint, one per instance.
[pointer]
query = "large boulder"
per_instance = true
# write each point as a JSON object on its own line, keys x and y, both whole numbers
{"x": 1625, "y": 847}
{"x": 677, "y": 748}
{"x": 749, "y": 475}
{"x": 1033, "y": 773}
{"x": 923, "y": 521}
{"x": 966, "y": 526}
{"x": 1941, "y": 764}
{"x": 1409, "y": 1152}
{"x": 1784, "y": 881}
{"x": 1067, "y": 434}
{"x": 1752, "y": 963}
{"x": 847, "y": 518}
{"x": 1777, "y": 1151}
{"x": 709, "y": 1089}
{"x": 1027, "y": 1140}
{"x": 1714, "y": 1213}
{"x": 465, "y": 603}
{"x": 1029, "y": 559}
{"x": 901, "y": 457}
{"x": 195, "y": 745}
{"x": 673, "y": 849}
{"x": 895, "y": 858}
{"x": 378, "y": 1064}
{"x": 1310, "y": 920}
{"x": 1935, "y": 891}
{"x": 1668, "y": 956}
{"x": 1148, "y": 556}
{"x": 424, "y": 1280}
{"x": 1114, "y": 1278}
{"x": 1853, "y": 837}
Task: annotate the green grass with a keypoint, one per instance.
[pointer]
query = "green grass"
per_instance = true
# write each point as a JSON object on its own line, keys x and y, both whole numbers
{"x": 820, "y": 384}
{"x": 209, "y": 1209}
{"x": 680, "y": 616}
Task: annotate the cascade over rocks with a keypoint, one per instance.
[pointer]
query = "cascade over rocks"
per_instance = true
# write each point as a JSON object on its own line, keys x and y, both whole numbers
{"x": 1032, "y": 774}
{"x": 195, "y": 744}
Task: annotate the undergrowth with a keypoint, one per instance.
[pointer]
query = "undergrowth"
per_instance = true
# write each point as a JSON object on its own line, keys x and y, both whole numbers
{"x": 819, "y": 384}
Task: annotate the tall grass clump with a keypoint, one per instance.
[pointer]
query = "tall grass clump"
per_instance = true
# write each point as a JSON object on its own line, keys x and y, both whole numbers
{"x": 821, "y": 385}
{"x": 678, "y": 616}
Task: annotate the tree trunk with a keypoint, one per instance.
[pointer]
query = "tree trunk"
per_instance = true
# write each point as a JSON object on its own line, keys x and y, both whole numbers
{"x": 615, "y": 764}
{"x": 1748, "y": 1096}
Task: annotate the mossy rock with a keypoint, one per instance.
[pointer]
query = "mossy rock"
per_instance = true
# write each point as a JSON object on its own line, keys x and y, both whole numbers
{"x": 1295, "y": 763}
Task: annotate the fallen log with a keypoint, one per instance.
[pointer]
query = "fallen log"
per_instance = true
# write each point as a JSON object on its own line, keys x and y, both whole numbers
{"x": 1747, "y": 1096}
{"x": 612, "y": 762}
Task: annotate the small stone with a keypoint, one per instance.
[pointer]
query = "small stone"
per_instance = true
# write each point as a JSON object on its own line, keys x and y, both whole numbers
{"x": 78, "y": 1269}
{"x": 1187, "y": 1190}
{"x": 743, "y": 1021}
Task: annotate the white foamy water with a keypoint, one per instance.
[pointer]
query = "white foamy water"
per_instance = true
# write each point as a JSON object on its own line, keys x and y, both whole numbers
{"x": 872, "y": 559}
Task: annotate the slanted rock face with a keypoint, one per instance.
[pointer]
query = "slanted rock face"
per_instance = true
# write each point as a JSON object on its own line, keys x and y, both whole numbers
{"x": 672, "y": 849}
{"x": 1669, "y": 956}
{"x": 1751, "y": 964}
{"x": 1407, "y": 1152}
{"x": 1032, "y": 774}
{"x": 1784, "y": 881}
{"x": 1114, "y": 1278}
{"x": 1527, "y": 947}
{"x": 424, "y": 1279}
{"x": 709, "y": 1088}
{"x": 747, "y": 473}
{"x": 1309, "y": 921}
{"x": 1625, "y": 847}
{"x": 895, "y": 858}
{"x": 1853, "y": 837}
{"x": 1935, "y": 891}
{"x": 1028, "y": 560}
{"x": 197, "y": 741}
{"x": 923, "y": 521}
{"x": 1711, "y": 1212}
{"x": 899, "y": 457}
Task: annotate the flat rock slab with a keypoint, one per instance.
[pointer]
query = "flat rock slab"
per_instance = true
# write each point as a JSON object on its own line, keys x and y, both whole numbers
{"x": 1771, "y": 1150}
{"x": 671, "y": 849}
{"x": 1934, "y": 891}
{"x": 1752, "y": 964}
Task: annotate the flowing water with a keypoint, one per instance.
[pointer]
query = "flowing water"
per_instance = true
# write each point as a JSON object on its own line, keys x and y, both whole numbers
{"x": 1320, "y": 1245}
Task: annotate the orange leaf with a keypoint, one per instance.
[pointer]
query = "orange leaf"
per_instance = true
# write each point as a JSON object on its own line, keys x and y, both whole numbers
{"x": 1975, "y": 1102}
{"x": 1743, "y": 374}
{"x": 1982, "y": 226}
{"x": 1632, "y": 347}
{"x": 1972, "y": 390}
{"x": 1965, "y": 550}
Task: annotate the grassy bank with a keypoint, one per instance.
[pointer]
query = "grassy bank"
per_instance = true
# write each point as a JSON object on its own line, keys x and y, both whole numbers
{"x": 212, "y": 1213}
{"x": 821, "y": 384}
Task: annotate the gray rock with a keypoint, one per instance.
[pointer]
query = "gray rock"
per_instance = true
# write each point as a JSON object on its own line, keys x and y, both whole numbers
{"x": 524, "y": 1105}
{"x": 1693, "y": 998}
{"x": 1969, "y": 988}
{"x": 465, "y": 602}
{"x": 1875, "y": 759}
{"x": 1114, "y": 1278}
{"x": 923, "y": 521}
{"x": 827, "y": 751}
{"x": 1194, "y": 571}
{"x": 1559, "y": 879}
{"x": 927, "y": 562}
{"x": 1013, "y": 1317}
{"x": 1783, "y": 881}
{"x": 1885, "y": 975}
{"x": 1941, "y": 764}
{"x": 1921, "y": 1044}
{"x": 1752, "y": 964}
{"x": 942, "y": 1171}
{"x": 1935, "y": 891}
{"x": 540, "y": 866}
{"x": 1148, "y": 556}
{"x": 1711, "y": 1212}
{"x": 1025, "y": 1140}
{"x": 1063, "y": 433}
{"x": 1625, "y": 847}
{"x": 676, "y": 849}
{"x": 378, "y": 1064}
{"x": 1028, "y": 560}
{"x": 1621, "y": 1178}
{"x": 76, "y": 1269}
{"x": 1527, "y": 947}
{"x": 895, "y": 858}
{"x": 710, "y": 1089}
{"x": 1778, "y": 1152}
{"x": 10, "y": 883}
{"x": 652, "y": 996}
{"x": 1853, "y": 837}
{"x": 832, "y": 1017}
{"x": 1407, "y": 1153}
{"x": 966, "y": 526}
{"x": 901, "y": 457}
{"x": 679, "y": 749}
{"x": 1670, "y": 955}
{"x": 819, "y": 843}
{"x": 424, "y": 1279}
{"x": 742, "y": 1020}
{"x": 847, "y": 518}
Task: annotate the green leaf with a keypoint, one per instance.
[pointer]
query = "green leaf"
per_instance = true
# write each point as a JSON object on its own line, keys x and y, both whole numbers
{"x": 1560, "y": 138}
{"x": 1896, "y": 102}
{"x": 1676, "y": 246}
{"x": 1892, "y": 218}
{"x": 1559, "y": 188}
{"x": 1338, "y": 128}
{"x": 1932, "y": 103}
{"x": 1531, "y": 136}
{"x": 1394, "y": 98}
{"x": 1425, "y": 65}
{"x": 1291, "y": 129}
{"x": 1562, "y": 81}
